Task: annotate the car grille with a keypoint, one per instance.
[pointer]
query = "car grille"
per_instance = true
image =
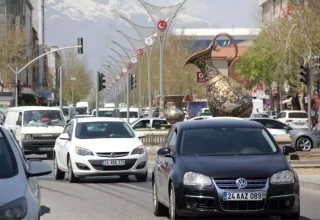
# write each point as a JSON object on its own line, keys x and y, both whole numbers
{"x": 111, "y": 154}
{"x": 242, "y": 205}
{"x": 231, "y": 183}
{"x": 97, "y": 164}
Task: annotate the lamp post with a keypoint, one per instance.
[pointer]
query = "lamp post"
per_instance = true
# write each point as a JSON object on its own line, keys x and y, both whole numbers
{"x": 73, "y": 79}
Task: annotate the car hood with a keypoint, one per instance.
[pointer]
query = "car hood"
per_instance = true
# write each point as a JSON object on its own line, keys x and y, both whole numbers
{"x": 235, "y": 166}
{"x": 109, "y": 144}
{"x": 11, "y": 189}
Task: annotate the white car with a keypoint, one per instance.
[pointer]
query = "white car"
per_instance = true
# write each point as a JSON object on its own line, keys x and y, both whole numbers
{"x": 19, "y": 189}
{"x": 295, "y": 119}
{"x": 99, "y": 147}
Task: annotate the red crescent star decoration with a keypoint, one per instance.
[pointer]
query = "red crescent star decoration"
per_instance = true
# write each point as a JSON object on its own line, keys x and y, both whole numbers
{"x": 129, "y": 65}
{"x": 140, "y": 52}
{"x": 121, "y": 74}
{"x": 162, "y": 25}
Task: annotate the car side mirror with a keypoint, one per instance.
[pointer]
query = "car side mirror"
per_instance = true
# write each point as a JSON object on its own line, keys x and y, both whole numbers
{"x": 287, "y": 149}
{"x": 19, "y": 123}
{"x": 288, "y": 128}
{"x": 38, "y": 168}
{"x": 163, "y": 152}
{"x": 64, "y": 136}
{"x": 68, "y": 121}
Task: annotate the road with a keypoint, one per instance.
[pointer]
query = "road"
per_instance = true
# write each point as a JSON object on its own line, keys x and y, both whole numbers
{"x": 109, "y": 198}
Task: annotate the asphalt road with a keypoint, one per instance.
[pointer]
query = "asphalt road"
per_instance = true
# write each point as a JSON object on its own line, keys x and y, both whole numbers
{"x": 109, "y": 198}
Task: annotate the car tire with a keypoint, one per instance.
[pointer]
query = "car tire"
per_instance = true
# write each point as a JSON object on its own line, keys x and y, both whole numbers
{"x": 304, "y": 144}
{"x": 71, "y": 177}
{"x": 58, "y": 174}
{"x": 50, "y": 155}
{"x": 158, "y": 208}
{"x": 142, "y": 178}
{"x": 172, "y": 204}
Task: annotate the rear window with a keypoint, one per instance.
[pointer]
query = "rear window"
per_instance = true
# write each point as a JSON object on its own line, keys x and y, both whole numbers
{"x": 8, "y": 163}
{"x": 227, "y": 141}
{"x": 298, "y": 115}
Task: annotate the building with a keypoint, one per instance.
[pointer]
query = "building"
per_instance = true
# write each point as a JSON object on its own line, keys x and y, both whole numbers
{"x": 274, "y": 9}
{"x": 54, "y": 63}
{"x": 18, "y": 14}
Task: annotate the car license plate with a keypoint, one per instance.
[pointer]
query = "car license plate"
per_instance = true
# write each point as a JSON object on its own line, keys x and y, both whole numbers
{"x": 113, "y": 162}
{"x": 299, "y": 123}
{"x": 45, "y": 149}
{"x": 242, "y": 196}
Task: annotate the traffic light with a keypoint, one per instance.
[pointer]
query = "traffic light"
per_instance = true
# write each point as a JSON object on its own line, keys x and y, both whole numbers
{"x": 304, "y": 74}
{"x": 80, "y": 43}
{"x": 132, "y": 81}
{"x": 102, "y": 81}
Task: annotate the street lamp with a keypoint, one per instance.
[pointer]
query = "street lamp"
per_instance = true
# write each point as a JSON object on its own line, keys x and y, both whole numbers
{"x": 73, "y": 79}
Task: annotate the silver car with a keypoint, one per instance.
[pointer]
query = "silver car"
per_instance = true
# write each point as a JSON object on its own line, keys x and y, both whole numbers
{"x": 303, "y": 140}
{"x": 19, "y": 188}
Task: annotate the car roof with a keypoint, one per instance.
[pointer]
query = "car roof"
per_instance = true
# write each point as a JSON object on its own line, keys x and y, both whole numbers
{"x": 101, "y": 109}
{"x": 28, "y": 108}
{"x": 98, "y": 119}
{"x": 218, "y": 123}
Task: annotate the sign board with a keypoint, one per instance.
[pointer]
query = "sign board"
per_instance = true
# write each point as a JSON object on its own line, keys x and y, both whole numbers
{"x": 195, "y": 107}
{"x": 50, "y": 96}
{"x": 200, "y": 77}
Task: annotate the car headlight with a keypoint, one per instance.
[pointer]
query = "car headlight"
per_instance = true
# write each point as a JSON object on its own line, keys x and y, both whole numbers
{"x": 196, "y": 179}
{"x": 283, "y": 177}
{"x": 14, "y": 210}
{"x": 83, "y": 151}
{"x": 138, "y": 150}
{"x": 27, "y": 137}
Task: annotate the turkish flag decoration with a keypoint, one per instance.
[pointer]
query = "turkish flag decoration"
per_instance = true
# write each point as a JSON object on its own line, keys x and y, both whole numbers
{"x": 129, "y": 66}
{"x": 162, "y": 25}
{"x": 140, "y": 52}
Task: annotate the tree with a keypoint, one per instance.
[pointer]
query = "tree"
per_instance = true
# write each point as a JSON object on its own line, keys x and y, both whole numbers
{"x": 76, "y": 78}
{"x": 12, "y": 50}
{"x": 281, "y": 47}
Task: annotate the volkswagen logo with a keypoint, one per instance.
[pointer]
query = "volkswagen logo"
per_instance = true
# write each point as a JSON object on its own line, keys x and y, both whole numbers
{"x": 113, "y": 155}
{"x": 241, "y": 183}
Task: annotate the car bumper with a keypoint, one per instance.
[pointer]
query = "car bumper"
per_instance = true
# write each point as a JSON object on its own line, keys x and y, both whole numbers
{"x": 38, "y": 146}
{"x": 92, "y": 166}
{"x": 278, "y": 201}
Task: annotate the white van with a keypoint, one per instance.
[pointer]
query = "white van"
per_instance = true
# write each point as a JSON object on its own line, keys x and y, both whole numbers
{"x": 36, "y": 127}
{"x": 134, "y": 114}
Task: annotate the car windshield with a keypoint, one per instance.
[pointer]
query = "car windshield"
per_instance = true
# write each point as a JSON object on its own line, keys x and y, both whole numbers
{"x": 44, "y": 118}
{"x": 65, "y": 112}
{"x": 108, "y": 113}
{"x": 298, "y": 115}
{"x": 81, "y": 110}
{"x": 94, "y": 130}
{"x": 8, "y": 164}
{"x": 131, "y": 114}
{"x": 226, "y": 141}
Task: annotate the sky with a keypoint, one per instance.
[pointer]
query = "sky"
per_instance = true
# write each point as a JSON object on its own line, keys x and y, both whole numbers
{"x": 62, "y": 30}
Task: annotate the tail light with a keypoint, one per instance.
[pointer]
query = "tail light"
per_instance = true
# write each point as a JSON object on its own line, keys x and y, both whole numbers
{"x": 288, "y": 121}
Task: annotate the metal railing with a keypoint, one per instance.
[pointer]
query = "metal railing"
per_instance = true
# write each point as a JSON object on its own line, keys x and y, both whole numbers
{"x": 153, "y": 139}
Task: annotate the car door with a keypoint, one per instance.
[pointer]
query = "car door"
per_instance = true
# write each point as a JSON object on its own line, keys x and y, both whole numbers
{"x": 60, "y": 148}
{"x": 68, "y": 143}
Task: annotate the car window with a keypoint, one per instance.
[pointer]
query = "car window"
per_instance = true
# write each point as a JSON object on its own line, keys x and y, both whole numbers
{"x": 22, "y": 156}
{"x": 142, "y": 124}
{"x": 282, "y": 115}
{"x": 70, "y": 131}
{"x": 297, "y": 115}
{"x": 94, "y": 130}
{"x": 273, "y": 124}
{"x": 168, "y": 138}
{"x": 66, "y": 129}
{"x": 8, "y": 163}
{"x": 157, "y": 123}
{"x": 43, "y": 118}
{"x": 131, "y": 114}
{"x": 227, "y": 141}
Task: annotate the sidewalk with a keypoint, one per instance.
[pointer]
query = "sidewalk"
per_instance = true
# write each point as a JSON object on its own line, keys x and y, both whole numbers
{"x": 310, "y": 182}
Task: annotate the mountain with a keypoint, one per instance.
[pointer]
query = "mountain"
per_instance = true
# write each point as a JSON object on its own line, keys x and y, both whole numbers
{"x": 68, "y": 19}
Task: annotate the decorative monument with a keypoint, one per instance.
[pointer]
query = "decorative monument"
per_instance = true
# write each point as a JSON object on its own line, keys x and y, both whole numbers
{"x": 173, "y": 105}
{"x": 226, "y": 97}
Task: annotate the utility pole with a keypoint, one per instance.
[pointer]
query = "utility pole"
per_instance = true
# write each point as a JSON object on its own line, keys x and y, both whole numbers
{"x": 97, "y": 94}
{"x": 317, "y": 74}
{"x": 61, "y": 89}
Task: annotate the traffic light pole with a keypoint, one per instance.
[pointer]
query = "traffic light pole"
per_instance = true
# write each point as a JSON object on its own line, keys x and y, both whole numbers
{"x": 97, "y": 95}
{"x": 309, "y": 96}
{"x": 128, "y": 95}
{"x": 61, "y": 89}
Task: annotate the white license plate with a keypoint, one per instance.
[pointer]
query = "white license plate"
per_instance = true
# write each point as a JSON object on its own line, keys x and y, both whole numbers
{"x": 45, "y": 149}
{"x": 113, "y": 162}
{"x": 242, "y": 196}
{"x": 299, "y": 123}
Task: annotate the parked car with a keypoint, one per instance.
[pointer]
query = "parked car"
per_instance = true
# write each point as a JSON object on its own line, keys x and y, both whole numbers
{"x": 223, "y": 167}
{"x": 19, "y": 188}
{"x": 303, "y": 140}
{"x": 259, "y": 115}
{"x": 99, "y": 147}
{"x": 295, "y": 119}
{"x": 148, "y": 123}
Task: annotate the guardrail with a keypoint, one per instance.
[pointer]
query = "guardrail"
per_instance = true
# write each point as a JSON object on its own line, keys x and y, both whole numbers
{"x": 153, "y": 139}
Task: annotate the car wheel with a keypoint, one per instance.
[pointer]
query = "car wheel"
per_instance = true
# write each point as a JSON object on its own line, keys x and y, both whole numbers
{"x": 172, "y": 204}
{"x": 294, "y": 216}
{"x": 50, "y": 155}
{"x": 158, "y": 208}
{"x": 71, "y": 177}
{"x": 142, "y": 178}
{"x": 304, "y": 144}
{"x": 58, "y": 174}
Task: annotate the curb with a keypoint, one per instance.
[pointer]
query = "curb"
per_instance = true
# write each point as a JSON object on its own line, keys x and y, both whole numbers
{"x": 305, "y": 166}
{"x": 310, "y": 185}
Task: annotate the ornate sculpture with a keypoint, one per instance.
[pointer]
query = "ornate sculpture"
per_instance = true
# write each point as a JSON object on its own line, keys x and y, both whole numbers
{"x": 173, "y": 104}
{"x": 226, "y": 97}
